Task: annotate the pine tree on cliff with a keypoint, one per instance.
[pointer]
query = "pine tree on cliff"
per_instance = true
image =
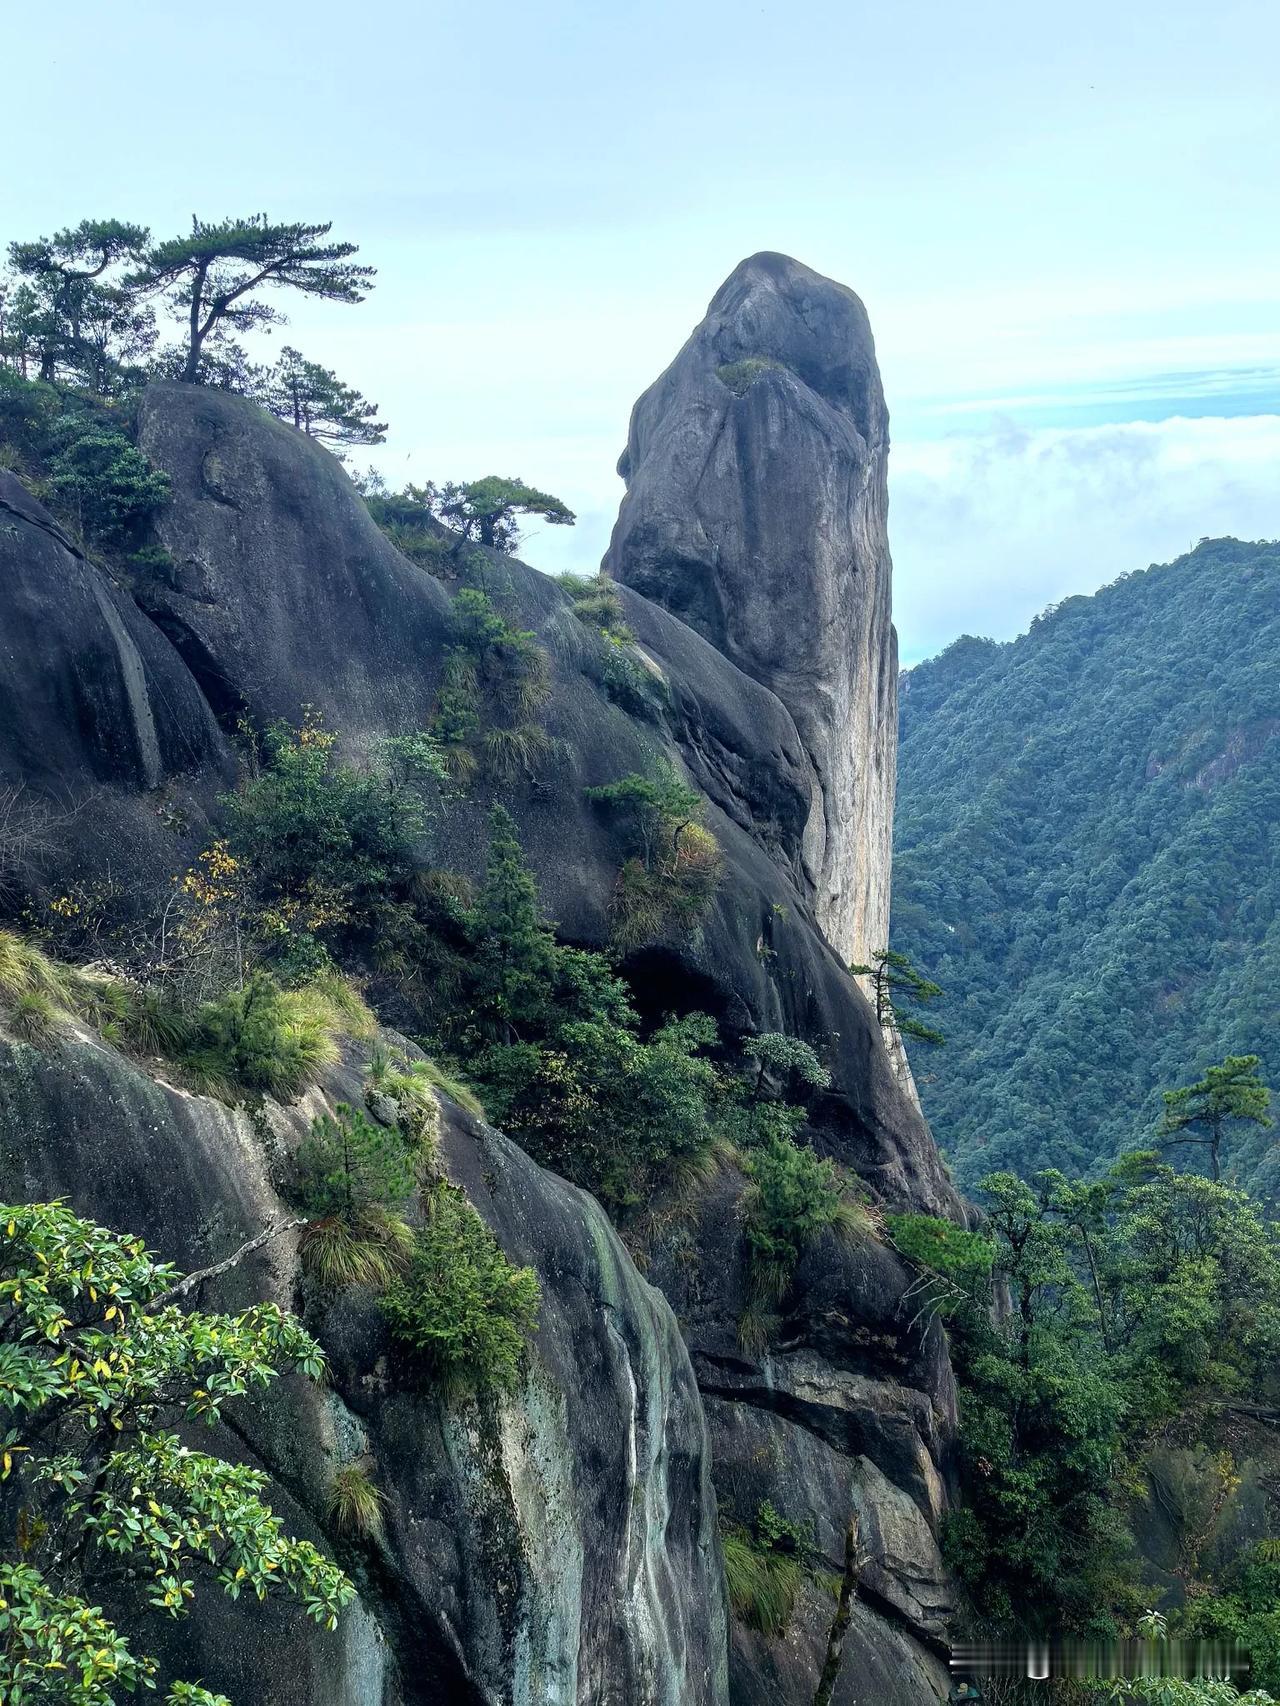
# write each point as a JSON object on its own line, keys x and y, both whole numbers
{"x": 67, "y": 317}
{"x": 320, "y": 404}
{"x": 898, "y": 987}
{"x": 215, "y": 275}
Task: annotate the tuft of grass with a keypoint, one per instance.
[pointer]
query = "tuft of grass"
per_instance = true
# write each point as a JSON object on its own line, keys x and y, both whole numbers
{"x": 357, "y": 1506}
{"x": 348, "y": 1011}
{"x": 763, "y": 1583}
{"x": 440, "y": 1078}
{"x": 373, "y": 1250}
{"x": 271, "y": 1040}
{"x": 509, "y": 753}
{"x": 33, "y": 1015}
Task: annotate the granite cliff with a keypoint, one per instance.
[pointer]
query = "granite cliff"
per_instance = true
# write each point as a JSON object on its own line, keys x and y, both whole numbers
{"x": 562, "y": 1548}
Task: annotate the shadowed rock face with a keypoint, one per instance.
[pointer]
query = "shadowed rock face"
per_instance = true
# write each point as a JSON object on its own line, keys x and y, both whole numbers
{"x": 756, "y": 512}
{"x": 556, "y": 1549}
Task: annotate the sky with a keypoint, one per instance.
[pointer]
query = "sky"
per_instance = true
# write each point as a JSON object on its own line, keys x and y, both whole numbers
{"x": 1065, "y": 225}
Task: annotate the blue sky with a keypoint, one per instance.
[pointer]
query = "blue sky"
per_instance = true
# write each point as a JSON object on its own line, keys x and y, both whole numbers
{"x": 1064, "y": 225}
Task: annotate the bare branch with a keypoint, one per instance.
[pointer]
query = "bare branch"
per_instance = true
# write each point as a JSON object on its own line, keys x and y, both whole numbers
{"x": 191, "y": 1281}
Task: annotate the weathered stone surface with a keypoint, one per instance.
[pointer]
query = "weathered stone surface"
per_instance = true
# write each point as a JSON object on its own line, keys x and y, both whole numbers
{"x": 559, "y": 1548}
{"x": 756, "y": 511}
{"x": 283, "y": 593}
{"x": 851, "y": 1410}
{"x": 101, "y": 725}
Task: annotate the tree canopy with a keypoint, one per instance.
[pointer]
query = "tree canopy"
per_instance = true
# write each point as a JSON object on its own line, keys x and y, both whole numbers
{"x": 1087, "y": 858}
{"x": 216, "y": 275}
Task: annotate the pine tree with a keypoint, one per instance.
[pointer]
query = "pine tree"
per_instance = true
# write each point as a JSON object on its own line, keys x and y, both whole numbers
{"x": 215, "y": 274}
{"x": 67, "y": 319}
{"x": 897, "y": 988}
{"x": 515, "y": 953}
{"x": 1232, "y": 1092}
{"x": 319, "y": 404}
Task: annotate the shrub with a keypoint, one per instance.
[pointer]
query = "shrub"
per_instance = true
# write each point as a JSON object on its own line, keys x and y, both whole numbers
{"x": 787, "y": 1056}
{"x": 496, "y": 678}
{"x": 102, "y": 481}
{"x": 793, "y": 1198}
{"x": 633, "y": 685}
{"x": 357, "y": 1506}
{"x": 318, "y": 843}
{"x": 460, "y": 1307}
{"x": 671, "y": 879}
{"x": 264, "y": 1038}
{"x": 78, "y": 455}
{"x": 612, "y": 1112}
{"x": 740, "y": 376}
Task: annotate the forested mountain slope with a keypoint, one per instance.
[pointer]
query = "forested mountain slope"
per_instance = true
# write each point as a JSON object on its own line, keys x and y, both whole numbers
{"x": 1087, "y": 859}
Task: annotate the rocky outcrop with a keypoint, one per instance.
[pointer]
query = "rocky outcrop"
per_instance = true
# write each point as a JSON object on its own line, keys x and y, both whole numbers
{"x": 106, "y": 742}
{"x": 559, "y": 1550}
{"x": 756, "y": 511}
{"x": 565, "y": 1552}
{"x": 847, "y": 1414}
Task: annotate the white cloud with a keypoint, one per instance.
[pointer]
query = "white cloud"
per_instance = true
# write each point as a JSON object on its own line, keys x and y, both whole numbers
{"x": 987, "y": 530}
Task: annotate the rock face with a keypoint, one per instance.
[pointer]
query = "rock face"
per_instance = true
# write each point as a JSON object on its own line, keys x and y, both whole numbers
{"x": 557, "y": 1552}
{"x": 564, "y": 1552}
{"x": 98, "y": 713}
{"x": 756, "y": 511}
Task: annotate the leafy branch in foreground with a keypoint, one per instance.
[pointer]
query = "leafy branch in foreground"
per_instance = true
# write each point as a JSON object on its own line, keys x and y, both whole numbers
{"x": 95, "y": 1364}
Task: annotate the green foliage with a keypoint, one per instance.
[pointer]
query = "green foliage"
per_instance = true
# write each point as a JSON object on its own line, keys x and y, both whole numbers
{"x": 214, "y": 277}
{"x": 740, "y": 376}
{"x": 319, "y": 845}
{"x": 1086, "y": 860}
{"x": 765, "y": 1567}
{"x": 898, "y": 989}
{"x": 1128, "y": 1299}
{"x": 594, "y": 599}
{"x": 460, "y": 1307}
{"x": 962, "y": 1261}
{"x": 612, "y": 1112}
{"x": 350, "y": 1163}
{"x": 634, "y": 685}
{"x": 794, "y": 1197}
{"x": 78, "y": 456}
{"x": 788, "y": 1057}
{"x": 319, "y": 403}
{"x": 65, "y": 316}
{"x": 496, "y": 678}
{"x": 95, "y": 1360}
{"x": 263, "y": 1038}
{"x": 485, "y": 510}
{"x": 357, "y": 1506}
{"x": 672, "y": 878}
{"x": 352, "y": 1175}
{"x": 1230, "y": 1094}
{"x": 103, "y": 482}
